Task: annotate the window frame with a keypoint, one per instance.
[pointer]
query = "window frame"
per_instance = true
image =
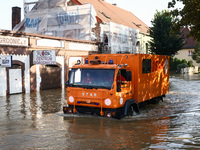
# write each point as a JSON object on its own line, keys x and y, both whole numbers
{"x": 146, "y": 66}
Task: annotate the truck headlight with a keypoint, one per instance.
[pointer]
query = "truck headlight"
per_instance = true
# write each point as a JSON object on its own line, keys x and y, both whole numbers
{"x": 71, "y": 99}
{"x": 121, "y": 100}
{"x": 107, "y": 102}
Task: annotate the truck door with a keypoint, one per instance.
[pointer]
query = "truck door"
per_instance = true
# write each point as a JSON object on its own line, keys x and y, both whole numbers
{"x": 124, "y": 83}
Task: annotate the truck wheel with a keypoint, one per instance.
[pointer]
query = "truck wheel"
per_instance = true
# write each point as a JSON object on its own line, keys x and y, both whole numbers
{"x": 131, "y": 111}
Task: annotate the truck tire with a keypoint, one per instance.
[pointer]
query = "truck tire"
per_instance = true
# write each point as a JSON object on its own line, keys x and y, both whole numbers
{"x": 131, "y": 108}
{"x": 131, "y": 111}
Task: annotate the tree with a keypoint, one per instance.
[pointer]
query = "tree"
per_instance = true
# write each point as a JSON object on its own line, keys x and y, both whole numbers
{"x": 189, "y": 16}
{"x": 180, "y": 66}
{"x": 196, "y": 53}
{"x": 164, "y": 42}
{"x": 176, "y": 64}
{"x": 190, "y": 63}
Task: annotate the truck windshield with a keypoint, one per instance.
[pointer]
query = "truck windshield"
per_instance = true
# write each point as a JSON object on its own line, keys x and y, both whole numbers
{"x": 92, "y": 78}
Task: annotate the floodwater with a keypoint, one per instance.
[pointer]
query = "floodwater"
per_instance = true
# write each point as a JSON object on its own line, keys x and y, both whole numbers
{"x": 35, "y": 121}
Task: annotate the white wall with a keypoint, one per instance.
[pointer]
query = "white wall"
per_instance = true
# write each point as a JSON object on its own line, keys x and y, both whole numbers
{"x": 189, "y": 70}
{"x": 3, "y": 78}
{"x": 3, "y": 81}
{"x": 60, "y": 60}
{"x": 26, "y": 60}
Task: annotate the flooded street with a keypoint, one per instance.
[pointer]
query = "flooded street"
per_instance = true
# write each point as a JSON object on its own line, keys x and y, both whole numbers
{"x": 35, "y": 121}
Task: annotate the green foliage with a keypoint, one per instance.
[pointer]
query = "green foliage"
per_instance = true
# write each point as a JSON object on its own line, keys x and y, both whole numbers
{"x": 180, "y": 66}
{"x": 176, "y": 64}
{"x": 164, "y": 42}
{"x": 196, "y": 53}
{"x": 187, "y": 16}
{"x": 190, "y": 63}
{"x": 184, "y": 61}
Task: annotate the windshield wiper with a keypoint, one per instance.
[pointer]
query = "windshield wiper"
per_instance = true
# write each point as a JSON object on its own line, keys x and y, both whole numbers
{"x": 91, "y": 86}
{"x": 87, "y": 86}
{"x": 102, "y": 87}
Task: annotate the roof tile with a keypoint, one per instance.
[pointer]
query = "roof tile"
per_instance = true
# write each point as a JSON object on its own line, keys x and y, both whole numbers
{"x": 111, "y": 13}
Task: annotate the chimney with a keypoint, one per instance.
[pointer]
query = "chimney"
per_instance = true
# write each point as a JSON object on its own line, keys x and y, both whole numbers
{"x": 16, "y": 16}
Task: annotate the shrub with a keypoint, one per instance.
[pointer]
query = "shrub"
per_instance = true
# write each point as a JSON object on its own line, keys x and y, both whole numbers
{"x": 180, "y": 66}
{"x": 176, "y": 64}
{"x": 190, "y": 63}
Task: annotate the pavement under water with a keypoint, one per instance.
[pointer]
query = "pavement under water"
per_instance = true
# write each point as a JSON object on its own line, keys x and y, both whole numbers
{"x": 35, "y": 121}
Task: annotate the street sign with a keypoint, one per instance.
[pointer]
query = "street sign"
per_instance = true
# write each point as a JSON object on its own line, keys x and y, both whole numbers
{"x": 6, "y": 61}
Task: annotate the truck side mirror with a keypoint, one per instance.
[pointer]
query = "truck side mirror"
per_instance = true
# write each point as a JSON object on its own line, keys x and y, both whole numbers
{"x": 128, "y": 76}
{"x": 67, "y": 83}
{"x": 119, "y": 88}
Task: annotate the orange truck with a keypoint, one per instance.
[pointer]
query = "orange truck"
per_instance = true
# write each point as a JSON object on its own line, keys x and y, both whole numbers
{"x": 114, "y": 85}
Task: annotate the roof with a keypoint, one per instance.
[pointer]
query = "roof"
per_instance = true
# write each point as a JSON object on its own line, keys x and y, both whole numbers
{"x": 111, "y": 13}
{"x": 190, "y": 41}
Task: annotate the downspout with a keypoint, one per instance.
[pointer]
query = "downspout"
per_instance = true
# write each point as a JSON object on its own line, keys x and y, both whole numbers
{"x": 90, "y": 21}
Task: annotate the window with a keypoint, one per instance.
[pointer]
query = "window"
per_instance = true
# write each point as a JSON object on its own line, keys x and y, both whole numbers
{"x": 92, "y": 78}
{"x": 122, "y": 81}
{"x": 190, "y": 53}
{"x": 146, "y": 66}
{"x": 147, "y": 48}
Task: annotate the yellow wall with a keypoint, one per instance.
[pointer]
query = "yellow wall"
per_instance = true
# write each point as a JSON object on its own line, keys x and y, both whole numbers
{"x": 143, "y": 38}
{"x": 184, "y": 54}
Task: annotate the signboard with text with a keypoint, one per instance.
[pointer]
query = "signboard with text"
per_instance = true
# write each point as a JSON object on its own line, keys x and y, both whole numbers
{"x": 44, "y": 57}
{"x": 13, "y": 41}
{"x": 6, "y": 61}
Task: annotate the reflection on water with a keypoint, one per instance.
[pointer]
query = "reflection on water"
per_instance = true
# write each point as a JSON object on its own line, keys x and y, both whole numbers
{"x": 184, "y": 98}
{"x": 101, "y": 133}
{"x": 36, "y": 121}
{"x": 24, "y": 120}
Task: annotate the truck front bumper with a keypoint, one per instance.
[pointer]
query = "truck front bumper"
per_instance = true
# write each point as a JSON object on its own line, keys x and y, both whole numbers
{"x": 107, "y": 112}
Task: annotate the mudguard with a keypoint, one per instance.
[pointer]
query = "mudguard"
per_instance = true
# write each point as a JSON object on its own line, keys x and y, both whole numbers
{"x": 128, "y": 104}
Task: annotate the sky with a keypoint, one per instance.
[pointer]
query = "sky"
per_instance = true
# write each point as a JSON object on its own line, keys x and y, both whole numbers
{"x": 143, "y": 9}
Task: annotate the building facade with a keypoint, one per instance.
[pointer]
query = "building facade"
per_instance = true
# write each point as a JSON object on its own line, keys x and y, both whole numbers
{"x": 115, "y": 29}
{"x": 69, "y": 28}
{"x": 188, "y": 48}
{"x": 25, "y": 76}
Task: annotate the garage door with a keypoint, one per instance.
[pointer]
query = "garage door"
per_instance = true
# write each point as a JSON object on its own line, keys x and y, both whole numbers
{"x": 51, "y": 77}
{"x": 15, "y": 81}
